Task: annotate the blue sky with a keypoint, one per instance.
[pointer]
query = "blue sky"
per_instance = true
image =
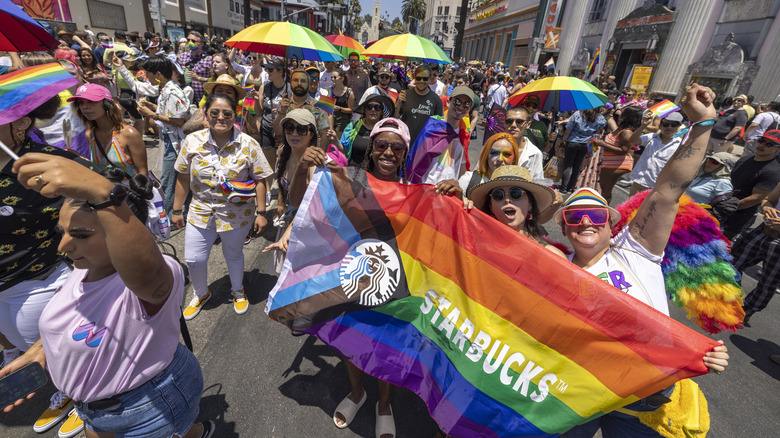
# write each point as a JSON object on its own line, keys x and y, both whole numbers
{"x": 393, "y": 7}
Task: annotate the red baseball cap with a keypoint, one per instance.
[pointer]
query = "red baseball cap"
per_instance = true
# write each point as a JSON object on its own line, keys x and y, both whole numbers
{"x": 91, "y": 92}
{"x": 773, "y": 136}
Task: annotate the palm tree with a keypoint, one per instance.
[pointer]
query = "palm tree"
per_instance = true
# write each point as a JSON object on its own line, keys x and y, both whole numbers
{"x": 413, "y": 10}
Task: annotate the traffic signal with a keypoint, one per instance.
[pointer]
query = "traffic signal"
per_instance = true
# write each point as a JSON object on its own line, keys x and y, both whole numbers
{"x": 381, "y": 26}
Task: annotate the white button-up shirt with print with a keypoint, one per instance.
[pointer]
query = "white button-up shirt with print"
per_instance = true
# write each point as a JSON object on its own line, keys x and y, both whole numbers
{"x": 240, "y": 159}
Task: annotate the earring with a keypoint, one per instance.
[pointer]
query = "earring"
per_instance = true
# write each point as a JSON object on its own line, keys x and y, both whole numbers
{"x": 528, "y": 217}
{"x": 20, "y": 135}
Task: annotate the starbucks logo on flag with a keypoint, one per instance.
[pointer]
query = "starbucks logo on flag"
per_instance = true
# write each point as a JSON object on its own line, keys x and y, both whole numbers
{"x": 370, "y": 272}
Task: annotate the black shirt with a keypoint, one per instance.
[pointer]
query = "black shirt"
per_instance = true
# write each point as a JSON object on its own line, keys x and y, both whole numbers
{"x": 749, "y": 174}
{"x": 418, "y": 109}
{"x": 28, "y": 241}
{"x": 727, "y": 122}
{"x": 359, "y": 147}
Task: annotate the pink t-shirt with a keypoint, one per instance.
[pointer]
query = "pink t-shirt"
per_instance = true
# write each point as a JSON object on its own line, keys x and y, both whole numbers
{"x": 100, "y": 342}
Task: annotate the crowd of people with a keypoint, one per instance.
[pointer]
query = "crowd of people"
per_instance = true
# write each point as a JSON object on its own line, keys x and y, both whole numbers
{"x": 236, "y": 128}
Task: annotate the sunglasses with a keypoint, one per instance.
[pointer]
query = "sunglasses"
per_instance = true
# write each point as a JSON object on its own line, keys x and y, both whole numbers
{"x": 596, "y": 216}
{"x": 510, "y": 122}
{"x": 422, "y": 78}
{"x": 382, "y": 145}
{"x": 354, "y": 59}
{"x": 531, "y": 105}
{"x": 769, "y": 142}
{"x": 515, "y": 193}
{"x": 461, "y": 103}
{"x": 668, "y": 124}
{"x": 713, "y": 161}
{"x": 228, "y": 114}
{"x": 300, "y": 129}
{"x": 374, "y": 107}
{"x": 384, "y": 76}
{"x": 193, "y": 41}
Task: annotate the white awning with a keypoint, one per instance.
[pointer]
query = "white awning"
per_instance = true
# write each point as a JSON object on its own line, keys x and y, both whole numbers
{"x": 321, "y": 14}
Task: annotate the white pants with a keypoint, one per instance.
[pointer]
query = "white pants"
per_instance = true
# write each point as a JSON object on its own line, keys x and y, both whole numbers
{"x": 21, "y": 306}
{"x": 197, "y": 247}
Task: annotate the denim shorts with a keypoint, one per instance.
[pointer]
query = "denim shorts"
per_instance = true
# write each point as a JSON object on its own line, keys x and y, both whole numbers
{"x": 166, "y": 405}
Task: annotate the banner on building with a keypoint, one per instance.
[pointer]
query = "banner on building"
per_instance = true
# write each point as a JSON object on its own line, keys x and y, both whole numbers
{"x": 553, "y": 37}
{"x": 552, "y": 16}
{"x": 640, "y": 77}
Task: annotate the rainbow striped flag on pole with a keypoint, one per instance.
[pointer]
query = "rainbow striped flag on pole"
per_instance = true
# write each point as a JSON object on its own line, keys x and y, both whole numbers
{"x": 24, "y": 90}
{"x": 663, "y": 108}
{"x": 497, "y": 335}
{"x": 326, "y": 104}
{"x": 594, "y": 62}
{"x": 550, "y": 64}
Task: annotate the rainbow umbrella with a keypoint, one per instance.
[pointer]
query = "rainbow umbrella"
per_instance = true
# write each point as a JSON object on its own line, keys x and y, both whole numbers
{"x": 408, "y": 47}
{"x": 287, "y": 40}
{"x": 20, "y": 33}
{"x": 345, "y": 44}
{"x": 560, "y": 93}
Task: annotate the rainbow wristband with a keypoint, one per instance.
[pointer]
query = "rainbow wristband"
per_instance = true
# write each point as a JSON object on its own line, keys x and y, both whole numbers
{"x": 708, "y": 122}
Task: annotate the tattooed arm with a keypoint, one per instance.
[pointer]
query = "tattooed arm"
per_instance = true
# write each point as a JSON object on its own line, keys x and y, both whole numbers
{"x": 654, "y": 219}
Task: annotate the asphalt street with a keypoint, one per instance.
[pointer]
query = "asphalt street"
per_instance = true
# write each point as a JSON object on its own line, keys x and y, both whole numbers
{"x": 262, "y": 382}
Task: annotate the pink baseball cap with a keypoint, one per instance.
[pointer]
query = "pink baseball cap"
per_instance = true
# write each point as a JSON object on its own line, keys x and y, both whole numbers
{"x": 393, "y": 125}
{"x": 91, "y": 92}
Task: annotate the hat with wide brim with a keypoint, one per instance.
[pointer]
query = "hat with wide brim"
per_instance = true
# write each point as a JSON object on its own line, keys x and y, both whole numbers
{"x": 512, "y": 176}
{"x": 225, "y": 79}
{"x": 386, "y": 102}
{"x": 587, "y": 197}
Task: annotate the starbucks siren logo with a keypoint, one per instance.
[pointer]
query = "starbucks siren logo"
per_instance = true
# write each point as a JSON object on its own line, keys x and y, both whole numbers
{"x": 371, "y": 270}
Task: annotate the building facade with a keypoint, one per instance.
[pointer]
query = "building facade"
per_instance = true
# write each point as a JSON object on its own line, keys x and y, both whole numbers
{"x": 731, "y": 46}
{"x": 441, "y": 16}
{"x": 501, "y": 31}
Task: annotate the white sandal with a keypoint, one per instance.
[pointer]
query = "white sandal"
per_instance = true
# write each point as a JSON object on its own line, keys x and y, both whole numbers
{"x": 385, "y": 424}
{"x": 347, "y": 408}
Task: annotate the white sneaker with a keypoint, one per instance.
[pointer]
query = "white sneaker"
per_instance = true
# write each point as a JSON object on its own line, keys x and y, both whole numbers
{"x": 9, "y": 355}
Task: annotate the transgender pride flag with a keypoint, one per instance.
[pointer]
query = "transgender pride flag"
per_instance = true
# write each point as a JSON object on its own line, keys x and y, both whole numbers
{"x": 497, "y": 335}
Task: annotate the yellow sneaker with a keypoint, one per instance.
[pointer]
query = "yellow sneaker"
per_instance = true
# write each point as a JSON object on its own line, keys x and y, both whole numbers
{"x": 58, "y": 409}
{"x": 72, "y": 426}
{"x": 192, "y": 310}
{"x": 240, "y": 304}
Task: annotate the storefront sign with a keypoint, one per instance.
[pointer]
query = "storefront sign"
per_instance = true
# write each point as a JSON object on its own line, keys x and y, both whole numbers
{"x": 643, "y": 21}
{"x": 487, "y": 13}
{"x": 553, "y": 37}
{"x": 609, "y": 64}
{"x": 640, "y": 79}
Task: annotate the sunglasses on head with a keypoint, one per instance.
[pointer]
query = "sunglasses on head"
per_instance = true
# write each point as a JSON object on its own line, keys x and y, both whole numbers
{"x": 382, "y": 145}
{"x": 228, "y": 114}
{"x": 422, "y": 78}
{"x": 596, "y": 216}
{"x": 668, "y": 124}
{"x": 515, "y": 193}
{"x": 289, "y": 128}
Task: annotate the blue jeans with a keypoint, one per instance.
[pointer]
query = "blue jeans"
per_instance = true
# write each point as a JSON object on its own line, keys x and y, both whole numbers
{"x": 169, "y": 174}
{"x": 166, "y": 405}
{"x": 619, "y": 425}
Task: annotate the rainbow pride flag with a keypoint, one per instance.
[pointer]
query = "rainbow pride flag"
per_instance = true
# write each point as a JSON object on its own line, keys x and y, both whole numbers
{"x": 663, "y": 108}
{"x": 550, "y": 64}
{"x": 326, "y": 104}
{"x": 433, "y": 140}
{"x": 497, "y": 335}
{"x": 594, "y": 62}
{"x": 24, "y": 90}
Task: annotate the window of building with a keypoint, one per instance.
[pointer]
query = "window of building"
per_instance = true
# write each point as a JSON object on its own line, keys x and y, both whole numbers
{"x": 438, "y": 25}
{"x": 445, "y": 27}
{"x": 439, "y": 13}
{"x": 231, "y": 6}
{"x": 106, "y": 15}
{"x": 458, "y": 11}
{"x": 447, "y": 11}
{"x": 597, "y": 10}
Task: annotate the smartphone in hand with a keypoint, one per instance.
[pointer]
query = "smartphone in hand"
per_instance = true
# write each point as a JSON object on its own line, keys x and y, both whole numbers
{"x": 21, "y": 383}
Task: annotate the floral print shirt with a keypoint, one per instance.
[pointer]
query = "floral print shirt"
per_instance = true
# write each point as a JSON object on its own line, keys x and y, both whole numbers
{"x": 240, "y": 159}
{"x": 173, "y": 103}
{"x": 28, "y": 242}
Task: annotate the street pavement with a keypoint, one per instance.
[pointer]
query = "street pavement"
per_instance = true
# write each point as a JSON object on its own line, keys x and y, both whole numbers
{"x": 259, "y": 381}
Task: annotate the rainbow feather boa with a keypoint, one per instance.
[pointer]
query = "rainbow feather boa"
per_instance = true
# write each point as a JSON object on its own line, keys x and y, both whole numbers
{"x": 698, "y": 273}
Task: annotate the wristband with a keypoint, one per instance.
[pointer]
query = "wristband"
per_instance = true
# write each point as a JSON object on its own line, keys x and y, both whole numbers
{"x": 259, "y": 213}
{"x": 707, "y": 122}
{"x": 179, "y": 211}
